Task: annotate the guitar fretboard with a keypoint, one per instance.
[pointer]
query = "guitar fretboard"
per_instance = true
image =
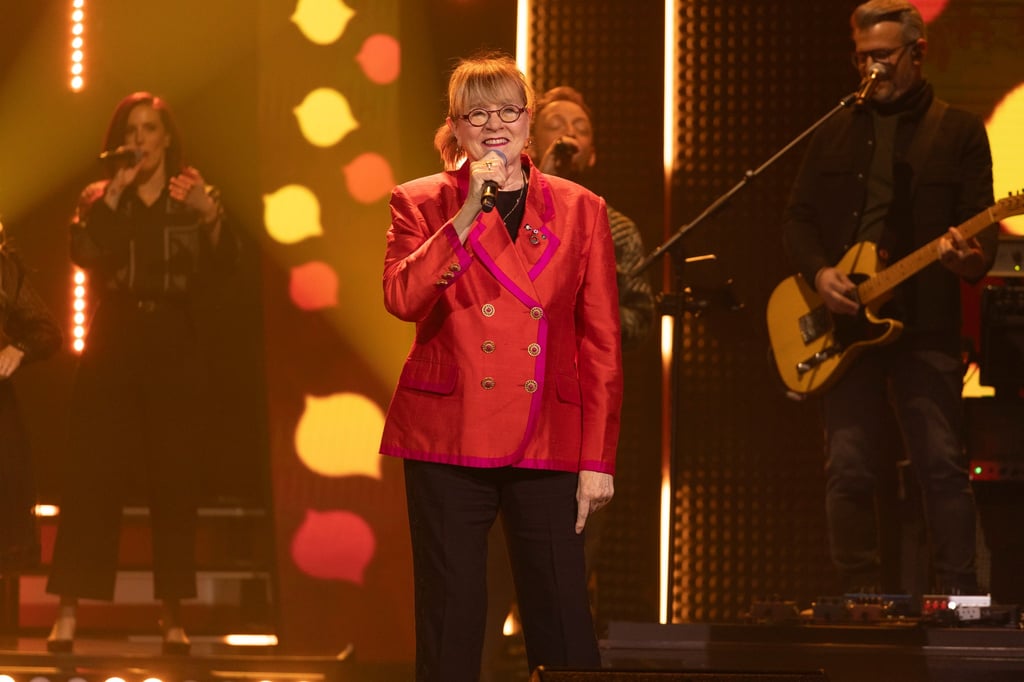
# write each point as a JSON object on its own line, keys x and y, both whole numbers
{"x": 885, "y": 280}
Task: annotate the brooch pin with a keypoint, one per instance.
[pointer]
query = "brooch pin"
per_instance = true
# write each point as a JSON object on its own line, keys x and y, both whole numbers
{"x": 535, "y": 235}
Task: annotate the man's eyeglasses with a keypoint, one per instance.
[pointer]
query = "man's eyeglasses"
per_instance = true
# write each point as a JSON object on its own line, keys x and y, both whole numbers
{"x": 859, "y": 59}
{"x": 509, "y": 113}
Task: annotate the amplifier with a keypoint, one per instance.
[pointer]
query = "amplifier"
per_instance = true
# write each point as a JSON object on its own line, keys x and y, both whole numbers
{"x": 995, "y": 436}
{"x": 1003, "y": 304}
{"x": 1002, "y": 338}
{"x": 1009, "y": 260}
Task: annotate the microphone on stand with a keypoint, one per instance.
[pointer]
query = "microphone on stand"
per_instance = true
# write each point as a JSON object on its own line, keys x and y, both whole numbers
{"x": 489, "y": 193}
{"x": 879, "y": 71}
{"x": 122, "y": 154}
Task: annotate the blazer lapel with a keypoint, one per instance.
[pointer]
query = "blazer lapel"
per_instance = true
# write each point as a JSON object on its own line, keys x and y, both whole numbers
{"x": 494, "y": 249}
{"x": 537, "y": 241}
{"x": 517, "y": 265}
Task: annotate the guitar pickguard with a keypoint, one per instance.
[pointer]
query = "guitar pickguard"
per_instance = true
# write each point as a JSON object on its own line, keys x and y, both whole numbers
{"x": 815, "y": 324}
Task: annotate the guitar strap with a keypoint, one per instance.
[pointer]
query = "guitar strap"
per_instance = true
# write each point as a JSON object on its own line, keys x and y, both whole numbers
{"x": 922, "y": 142}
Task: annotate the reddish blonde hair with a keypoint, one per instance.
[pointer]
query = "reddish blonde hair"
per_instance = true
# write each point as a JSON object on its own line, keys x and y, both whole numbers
{"x": 487, "y": 77}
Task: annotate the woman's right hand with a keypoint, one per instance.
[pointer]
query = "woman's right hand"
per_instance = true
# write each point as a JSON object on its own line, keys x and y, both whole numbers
{"x": 490, "y": 167}
{"x": 122, "y": 178}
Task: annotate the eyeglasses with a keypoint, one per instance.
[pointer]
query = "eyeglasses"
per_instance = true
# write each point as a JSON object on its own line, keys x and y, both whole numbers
{"x": 509, "y": 113}
{"x": 859, "y": 59}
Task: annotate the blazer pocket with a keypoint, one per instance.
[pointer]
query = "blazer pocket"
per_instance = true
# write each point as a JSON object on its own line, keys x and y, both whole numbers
{"x": 568, "y": 389}
{"x": 430, "y": 377}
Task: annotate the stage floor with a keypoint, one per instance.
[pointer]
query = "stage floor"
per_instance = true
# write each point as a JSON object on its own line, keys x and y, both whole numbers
{"x": 847, "y": 653}
{"x": 136, "y": 659}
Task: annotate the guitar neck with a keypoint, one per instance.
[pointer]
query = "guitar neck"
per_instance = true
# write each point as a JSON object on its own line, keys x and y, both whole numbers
{"x": 888, "y": 278}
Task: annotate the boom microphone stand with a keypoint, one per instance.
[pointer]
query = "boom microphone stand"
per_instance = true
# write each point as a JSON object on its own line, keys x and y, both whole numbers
{"x": 679, "y": 300}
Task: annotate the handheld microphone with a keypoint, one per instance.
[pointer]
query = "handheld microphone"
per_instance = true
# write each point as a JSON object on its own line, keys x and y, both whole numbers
{"x": 562, "y": 152}
{"x": 122, "y": 154}
{"x": 564, "y": 149}
{"x": 878, "y": 71}
{"x": 489, "y": 194}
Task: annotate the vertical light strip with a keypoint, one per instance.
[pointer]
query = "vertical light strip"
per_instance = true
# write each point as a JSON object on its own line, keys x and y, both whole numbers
{"x": 523, "y": 10}
{"x": 77, "y": 52}
{"x": 667, "y": 405}
{"x": 668, "y": 322}
{"x": 76, "y": 81}
{"x": 669, "y": 89}
{"x": 78, "y": 309}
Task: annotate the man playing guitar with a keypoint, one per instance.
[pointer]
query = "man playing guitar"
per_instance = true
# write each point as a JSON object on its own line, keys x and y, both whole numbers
{"x": 896, "y": 171}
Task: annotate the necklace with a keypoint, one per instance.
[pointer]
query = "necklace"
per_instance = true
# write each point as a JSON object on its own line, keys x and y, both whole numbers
{"x": 522, "y": 191}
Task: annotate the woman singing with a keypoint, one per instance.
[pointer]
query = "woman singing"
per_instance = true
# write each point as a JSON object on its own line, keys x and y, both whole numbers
{"x": 150, "y": 237}
{"x": 509, "y": 399}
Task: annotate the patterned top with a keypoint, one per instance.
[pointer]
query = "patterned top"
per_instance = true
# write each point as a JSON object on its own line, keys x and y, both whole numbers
{"x": 636, "y": 302}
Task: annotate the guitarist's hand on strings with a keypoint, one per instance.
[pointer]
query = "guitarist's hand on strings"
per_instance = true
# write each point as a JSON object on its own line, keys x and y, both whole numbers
{"x": 962, "y": 257}
{"x": 837, "y": 291}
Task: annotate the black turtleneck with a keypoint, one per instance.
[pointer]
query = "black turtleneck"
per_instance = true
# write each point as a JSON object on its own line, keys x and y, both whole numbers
{"x": 885, "y": 116}
{"x": 917, "y": 99}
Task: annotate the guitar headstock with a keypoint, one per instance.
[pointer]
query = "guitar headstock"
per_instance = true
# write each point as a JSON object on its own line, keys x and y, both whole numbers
{"x": 1011, "y": 205}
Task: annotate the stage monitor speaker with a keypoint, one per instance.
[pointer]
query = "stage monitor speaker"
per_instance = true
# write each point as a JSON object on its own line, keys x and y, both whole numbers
{"x": 542, "y": 674}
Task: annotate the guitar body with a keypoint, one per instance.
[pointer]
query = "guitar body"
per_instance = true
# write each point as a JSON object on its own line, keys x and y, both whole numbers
{"x": 812, "y": 347}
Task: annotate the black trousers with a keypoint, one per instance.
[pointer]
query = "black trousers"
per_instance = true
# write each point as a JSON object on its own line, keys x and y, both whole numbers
{"x": 135, "y": 422}
{"x": 451, "y": 509}
{"x": 923, "y": 387}
{"x": 19, "y": 539}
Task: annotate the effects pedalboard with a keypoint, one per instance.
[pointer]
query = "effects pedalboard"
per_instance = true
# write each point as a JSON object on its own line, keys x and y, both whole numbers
{"x": 890, "y": 609}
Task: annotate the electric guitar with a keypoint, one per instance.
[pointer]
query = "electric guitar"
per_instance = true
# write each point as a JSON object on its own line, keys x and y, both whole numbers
{"x": 813, "y": 347}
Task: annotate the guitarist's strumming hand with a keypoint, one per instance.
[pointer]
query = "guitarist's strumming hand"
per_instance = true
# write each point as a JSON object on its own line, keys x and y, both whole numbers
{"x": 962, "y": 257}
{"x": 837, "y": 291}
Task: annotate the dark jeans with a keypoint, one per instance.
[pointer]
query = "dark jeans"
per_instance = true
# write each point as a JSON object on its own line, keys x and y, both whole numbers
{"x": 924, "y": 388}
{"x": 451, "y": 510}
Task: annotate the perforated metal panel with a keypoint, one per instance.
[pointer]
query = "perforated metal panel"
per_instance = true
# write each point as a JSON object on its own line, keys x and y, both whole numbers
{"x": 611, "y": 51}
{"x": 749, "y": 512}
{"x": 748, "y": 518}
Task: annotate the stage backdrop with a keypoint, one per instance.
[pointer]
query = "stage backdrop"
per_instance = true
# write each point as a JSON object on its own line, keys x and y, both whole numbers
{"x": 307, "y": 112}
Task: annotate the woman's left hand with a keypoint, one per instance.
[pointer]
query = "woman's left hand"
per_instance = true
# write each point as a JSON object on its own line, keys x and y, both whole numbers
{"x": 593, "y": 491}
{"x": 189, "y": 188}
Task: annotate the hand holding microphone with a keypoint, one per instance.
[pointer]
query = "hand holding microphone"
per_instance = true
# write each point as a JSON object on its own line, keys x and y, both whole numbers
{"x": 124, "y": 167}
{"x": 489, "y": 192}
{"x": 561, "y": 154}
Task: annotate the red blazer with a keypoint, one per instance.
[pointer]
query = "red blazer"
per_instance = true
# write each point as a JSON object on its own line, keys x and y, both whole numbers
{"x": 517, "y": 357}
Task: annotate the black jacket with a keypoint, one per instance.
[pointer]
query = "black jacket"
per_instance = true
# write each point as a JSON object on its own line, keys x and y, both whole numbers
{"x": 828, "y": 197}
